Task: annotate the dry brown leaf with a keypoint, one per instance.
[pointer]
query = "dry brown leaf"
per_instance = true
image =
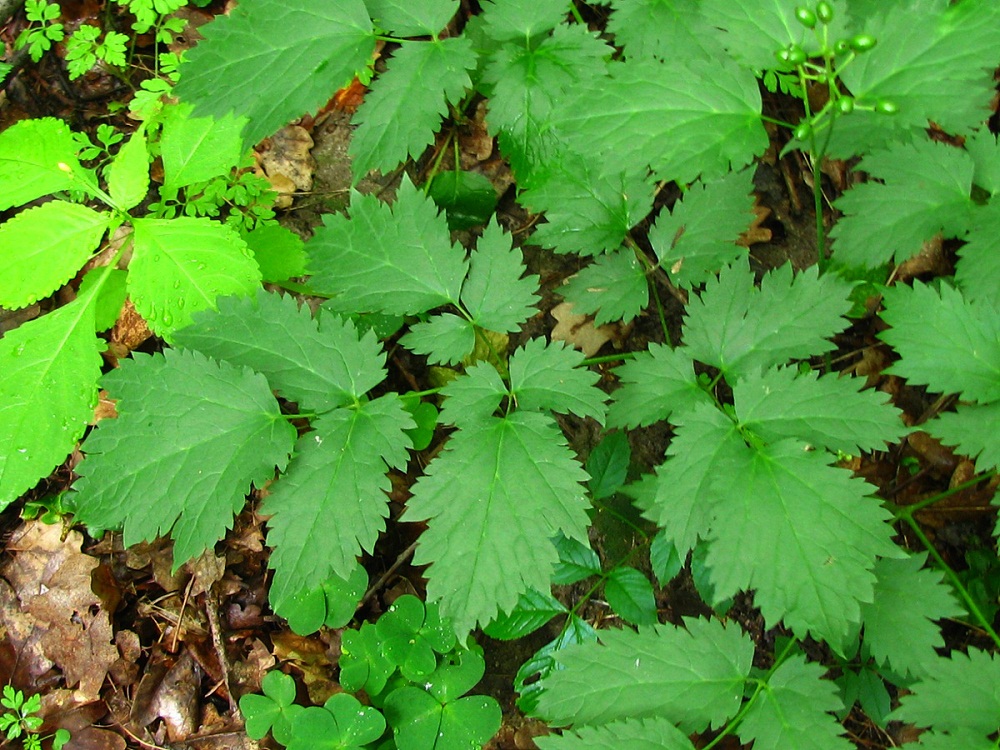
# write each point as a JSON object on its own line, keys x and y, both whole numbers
{"x": 580, "y": 331}
{"x": 172, "y": 695}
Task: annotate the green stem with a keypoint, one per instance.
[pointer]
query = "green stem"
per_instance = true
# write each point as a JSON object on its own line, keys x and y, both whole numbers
{"x": 576, "y": 13}
{"x": 624, "y": 356}
{"x": 906, "y": 512}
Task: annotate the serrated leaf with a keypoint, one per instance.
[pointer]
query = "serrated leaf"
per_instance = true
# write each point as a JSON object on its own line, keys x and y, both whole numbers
{"x": 281, "y": 59}
{"x": 180, "y": 266}
{"x": 492, "y": 500}
{"x": 699, "y": 236}
{"x": 549, "y": 376}
{"x": 47, "y": 393}
{"x": 543, "y": 663}
{"x": 279, "y": 252}
{"x": 741, "y": 328}
{"x": 331, "y": 504}
{"x": 473, "y": 399}
{"x": 403, "y": 110}
{"x": 979, "y": 264}
{"x": 655, "y": 383}
{"x": 907, "y": 600}
{"x": 507, "y": 20}
{"x": 974, "y": 676}
{"x": 445, "y": 339}
{"x": 664, "y": 559}
{"x": 630, "y": 596}
{"x": 654, "y": 733}
{"x": 828, "y": 412}
{"x": 397, "y": 260}
{"x": 128, "y": 173}
{"x": 44, "y": 247}
{"x": 218, "y": 429}
{"x": 982, "y": 147}
{"x": 320, "y": 365}
{"x": 533, "y": 610}
{"x": 662, "y": 28}
{"x": 691, "y": 677}
{"x": 198, "y": 148}
{"x": 793, "y": 711}
{"x": 925, "y": 191}
{"x": 608, "y": 464}
{"x": 682, "y": 119}
{"x": 31, "y": 152}
{"x": 613, "y": 287}
{"x": 972, "y": 429}
{"x": 945, "y": 342}
{"x": 412, "y": 17}
{"x": 497, "y": 293}
{"x": 577, "y": 561}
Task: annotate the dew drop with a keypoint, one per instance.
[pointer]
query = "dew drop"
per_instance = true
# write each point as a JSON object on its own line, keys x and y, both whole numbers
{"x": 177, "y": 284}
{"x": 19, "y": 350}
{"x": 168, "y": 319}
{"x": 200, "y": 266}
{"x": 156, "y": 258}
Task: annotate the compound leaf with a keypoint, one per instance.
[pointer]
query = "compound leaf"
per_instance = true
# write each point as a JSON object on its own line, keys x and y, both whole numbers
{"x": 532, "y": 611}
{"x": 691, "y": 677}
{"x": 444, "y": 339}
{"x": 972, "y": 428}
{"x": 37, "y": 157}
{"x": 180, "y": 266}
{"x": 497, "y": 293}
{"x": 474, "y": 398}
{"x": 654, "y": 733}
{"x": 331, "y": 504}
{"x": 280, "y": 59}
{"x": 218, "y": 429}
{"x": 548, "y": 376}
{"x": 398, "y": 260}
{"x": 492, "y": 501}
{"x": 412, "y": 17}
{"x": 613, "y": 287}
{"x": 402, "y": 112}
{"x": 507, "y": 20}
{"x": 44, "y": 247}
{"x": 320, "y": 365}
{"x": 655, "y": 383}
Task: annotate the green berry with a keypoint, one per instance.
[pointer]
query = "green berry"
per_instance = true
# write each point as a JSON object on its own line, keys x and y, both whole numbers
{"x": 793, "y": 54}
{"x": 806, "y": 17}
{"x": 861, "y": 42}
{"x": 845, "y": 105}
{"x": 841, "y": 46}
{"x": 824, "y": 11}
{"x": 886, "y": 107}
{"x": 802, "y": 131}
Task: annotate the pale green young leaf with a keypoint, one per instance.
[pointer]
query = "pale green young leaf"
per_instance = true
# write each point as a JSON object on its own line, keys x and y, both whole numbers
{"x": 945, "y": 342}
{"x": 826, "y": 412}
{"x": 967, "y": 685}
{"x": 195, "y": 149}
{"x": 497, "y": 294}
{"x": 699, "y": 236}
{"x": 218, "y": 429}
{"x": 548, "y": 376}
{"x": 279, "y": 252}
{"x": 411, "y": 17}
{"x": 972, "y": 429}
{"x": 654, "y": 733}
{"x": 741, "y": 328}
{"x": 613, "y": 287}
{"x": 279, "y": 59}
{"x": 404, "y": 108}
{"x": 924, "y": 191}
{"x": 492, "y": 501}
{"x": 128, "y": 174}
{"x": 588, "y": 210}
{"x": 180, "y": 266}
{"x": 811, "y": 531}
{"x": 630, "y": 596}
{"x": 680, "y": 118}
{"x": 506, "y": 20}
{"x": 445, "y": 339}
{"x": 31, "y": 152}
{"x": 982, "y": 146}
{"x": 473, "y": 399}
{"x": 318, "y": 364}
{"x": 48, "y": 391}
{"x": 331, "y": 504}
{"x": 397, "y": 260}
{"x": 978, "y": 268}
{"x": 655, "y": 383}
{"x": 908, "y": 598}
{"x": 692, "y": 677}
{"x": 44, "y": 247}
{"x": 793, "y": 711}
{"x": 662, "y": 28}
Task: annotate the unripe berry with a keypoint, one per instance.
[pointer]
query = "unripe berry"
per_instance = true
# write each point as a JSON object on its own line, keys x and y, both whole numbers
{"x": 845, "y": 105}
{"x": 802, "y": 131}
{"x": 862, "y": 42}
{"x": 824, "y": 11}
{"x": 886, "y": 107}
{"x": 806, "y": 17}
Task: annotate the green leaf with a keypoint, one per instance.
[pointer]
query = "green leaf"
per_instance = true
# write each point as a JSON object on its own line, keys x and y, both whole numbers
{"x": 542, "y": 663}
{"x": 363, "y": 663}
{"x": 342, "y": 723}
{"x": 792, "y": 711}
{"x": 549, "y": 376}
{"x": 691, "y": 677}
{"x": 471, "y": 400}
{"x": 128, "y": 174}
{"x": 945, "y": 342}
{"x": 468, "y": 198}
{"x": 497, "y": 293}
{"x": 397, "y": 260}
{"x": 979, "y": 264}
{"x": 332, "y": 604}
{"x": 828, "y": 412}
{"x": 218, "y": 429}
{"x": 699, "y": 236}
{"x": 281, "y": 59}
{"x": 412, "y": 17}
{"x": 508, "y": 20}
{"x": 974, "y": 677}
{"x": 533, "y": 610}
{"x": 320, "y": 365}
{"x": 655, "y": 383}
{"x": 577, "y": 561}
{"x": 664, "y": 559}
{"x": 925, "y": 191}
{"x": 47, "y": 393}
{"x": 180, "y": 266}
{"x": 44, "y": 247}
{"x": 195, "y": 149}
{"x": 662, "y": 28}
{"x": 607, "y": 465}
{"x": 741, "y": 328}
{"x": 331, "y": 504}
{"x": 613, "y": 287}
{"x": 907, "y": 600}
{"x": 655, "y": 733}
{"x": 971, "y": 429}
{"x": 445, "y": 339}
{"x": 682, "y": 119}
{"x": 273, "y": 711}
{"x": 630, "y": 595}
{"x": 492, "y": 500}
{"x": 279, "y": 252}
{"x": 110, "y": 296}
{"x": 405, "y": 106}
{"x": 31, "y": 152}
{"x": 982, "y": 146}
